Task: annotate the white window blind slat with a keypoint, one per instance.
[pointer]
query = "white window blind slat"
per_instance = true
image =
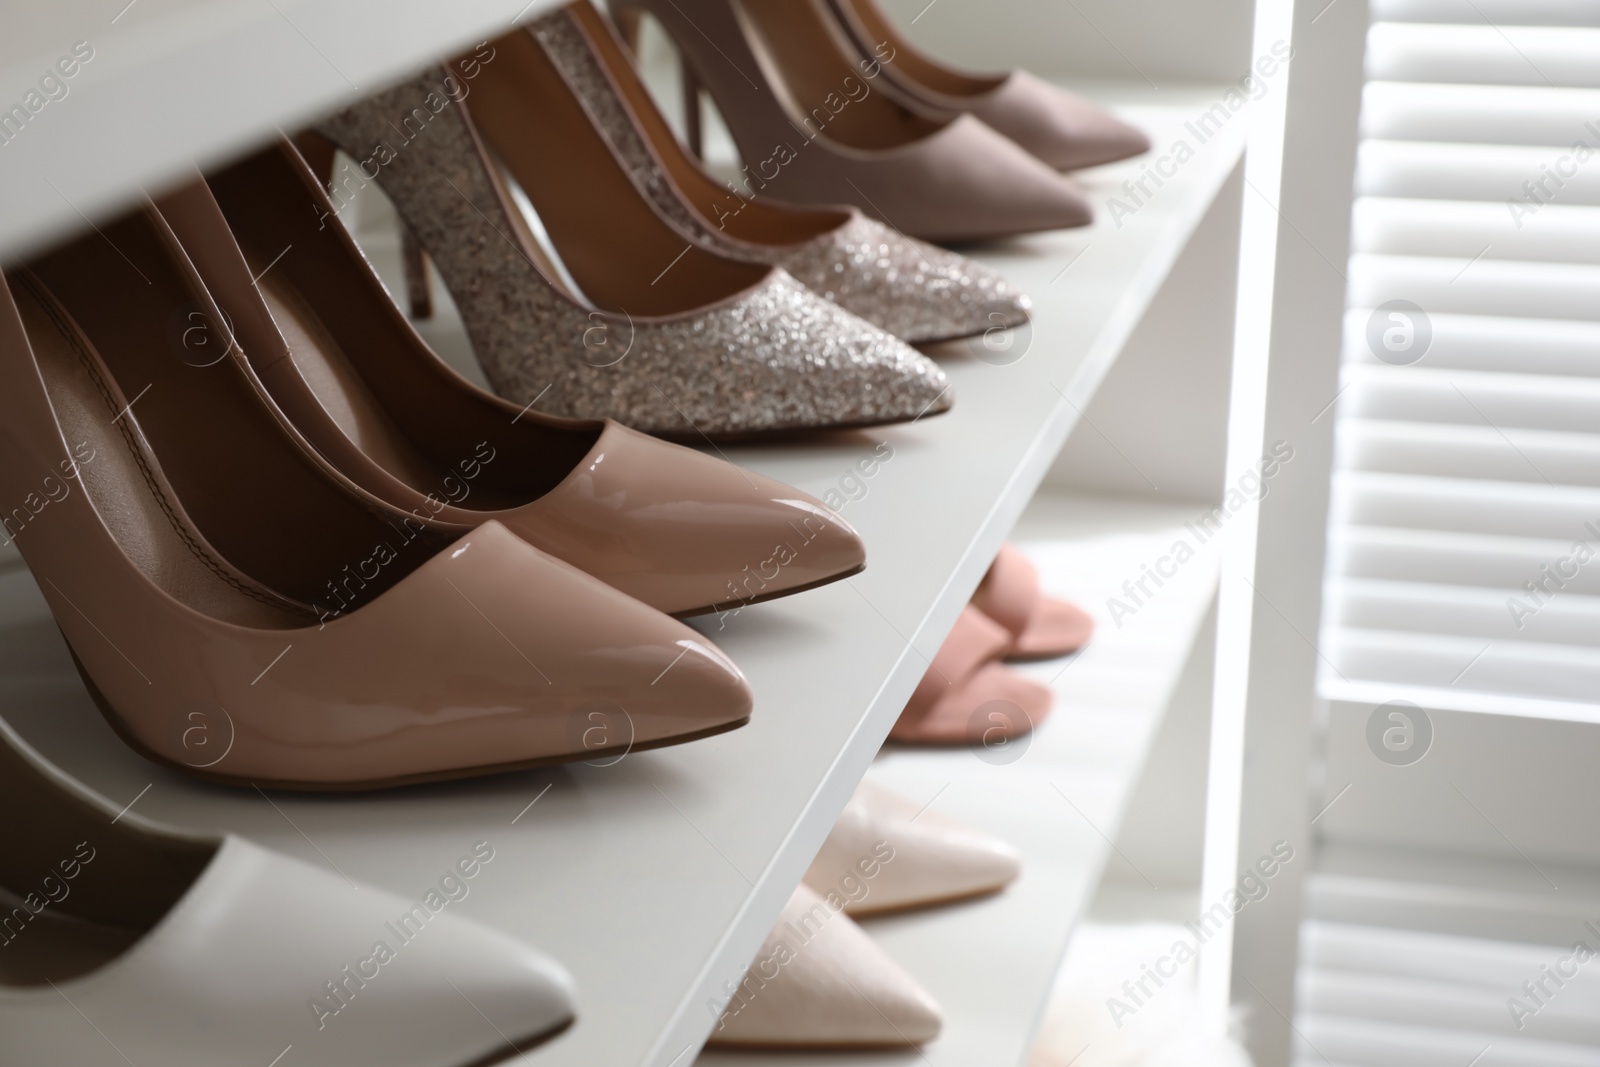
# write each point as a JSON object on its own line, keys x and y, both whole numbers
{"x": 1478, "y": 114}
{"x": 1497, "y": 12}
{"x": 1449, "y": 451}
{"x": 1513, "y": 289}
{"x": 1490, "y": 172}
{"x": 1451, "y": 559}
{"x": 1476, "y": 230}
{"x": 1482, "y": 54}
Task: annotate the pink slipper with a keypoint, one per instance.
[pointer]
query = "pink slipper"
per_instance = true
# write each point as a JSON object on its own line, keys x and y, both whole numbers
{"x": 1041, "y": 627}
{"x": 966, "y": 697}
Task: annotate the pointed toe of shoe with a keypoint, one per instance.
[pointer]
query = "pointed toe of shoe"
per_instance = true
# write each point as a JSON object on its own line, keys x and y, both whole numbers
{"x": 1061, "y": 128}
{"x": 776, "y": 359}
{"x": 686, "y": 532}
{"x": 975, "y": 184}
{"x": 860, "y": 375}
{"x": 491, "y": 656}
{"x": 916, "y": 291}
{"x": 492, "y": 990}
{"x": 820, "y": 982}
{"x": 929, "y": 859}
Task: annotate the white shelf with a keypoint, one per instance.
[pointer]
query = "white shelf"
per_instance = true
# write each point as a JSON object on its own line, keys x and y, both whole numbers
{"x": 178, "y": 83}
{"x": 991, "y": 963}
{"x": 655, "y": 880}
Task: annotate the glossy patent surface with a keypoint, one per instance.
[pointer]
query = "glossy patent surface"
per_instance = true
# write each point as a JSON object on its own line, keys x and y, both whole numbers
{"x": 490, "y": 654}
{"x": 685, "y": 531}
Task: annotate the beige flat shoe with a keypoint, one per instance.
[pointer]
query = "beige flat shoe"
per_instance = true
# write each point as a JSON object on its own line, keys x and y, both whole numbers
{"x": 820, "y": 982}
{"x": 887, "y": 853}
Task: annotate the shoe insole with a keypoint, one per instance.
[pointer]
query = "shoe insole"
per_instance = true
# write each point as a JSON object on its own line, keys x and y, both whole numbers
{"x": 752, "y": 219}
{"x": 826, "y": 87}
{"x": 148, "y": 529}
{"x": 344, "y": 394}
{"x": 623, "y": 256}
{"x": 52, "y": 946}
{"x": 910, "y": 61}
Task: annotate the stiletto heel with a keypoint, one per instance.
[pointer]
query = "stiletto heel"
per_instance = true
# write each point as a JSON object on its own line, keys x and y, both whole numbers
{"x": 912, "y": 289}
{"x": 641, "y": 325}
{"x": 630, "y": 26}
{"x": 414, "y": 261}
{"x": 693, "y": 135}
{"x": 245, "y": 618}
{"x": 810, "y": 128}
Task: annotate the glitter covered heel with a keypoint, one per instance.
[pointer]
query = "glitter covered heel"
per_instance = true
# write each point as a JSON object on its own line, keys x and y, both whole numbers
{"x": 610, "y": 313}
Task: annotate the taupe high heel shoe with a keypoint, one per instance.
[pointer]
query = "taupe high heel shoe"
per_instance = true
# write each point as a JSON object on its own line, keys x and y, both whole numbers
{"x": 652, "y": 330}
{"x": 812, "y": 127}
{"x": 240, "y": 616}
{"x": 683, "y": 531}
{"x": 912, "y": 289}
{"x": 1063, "y": 129}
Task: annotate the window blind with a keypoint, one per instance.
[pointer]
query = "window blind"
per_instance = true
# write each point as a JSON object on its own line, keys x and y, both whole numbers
{"x": 1464, "y": 563}
{"x": 1465, "y": 537}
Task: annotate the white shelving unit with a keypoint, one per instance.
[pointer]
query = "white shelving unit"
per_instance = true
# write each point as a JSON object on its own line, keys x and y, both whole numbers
{"x": 654, "y": 879}
{"x": 172, "y": 84}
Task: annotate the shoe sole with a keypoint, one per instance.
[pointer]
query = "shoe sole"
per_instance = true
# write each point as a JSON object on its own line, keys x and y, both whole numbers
{"x": 109, "y": 713}
{"x": 527, "y": 1044}
{"x": 764, "y": 598}
{"x": 782, "y": 433}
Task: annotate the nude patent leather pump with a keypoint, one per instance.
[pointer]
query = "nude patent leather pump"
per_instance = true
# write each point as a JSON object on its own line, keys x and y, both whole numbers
{"x": 912, "y": 289}
{"x": 682, "y": 531}
{"x": 626, "y": 319}
{"x": 126, "y": 941}
{"x": 1061, "y": 128}
{"x": 240, "y": 616}
{"x": 812, "y": 126}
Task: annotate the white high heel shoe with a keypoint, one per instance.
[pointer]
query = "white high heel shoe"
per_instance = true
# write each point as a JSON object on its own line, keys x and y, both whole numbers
{"x": 932, "y": 859}
{"x": 129, "y": 942}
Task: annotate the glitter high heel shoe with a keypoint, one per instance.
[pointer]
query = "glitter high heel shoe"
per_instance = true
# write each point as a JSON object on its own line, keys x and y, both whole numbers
{"x": 635, "y": 322}
{"x": 914, "y": 290}
{"x": 1061, "y": 128}
{"x": 812, "y": 127}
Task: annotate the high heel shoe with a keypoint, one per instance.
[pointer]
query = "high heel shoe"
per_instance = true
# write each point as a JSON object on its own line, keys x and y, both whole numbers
{"x": 819, "y": 982}
{"x": 668, "y": 337}
{"x": 889, "y": 854}
{"x": 240, "y": 616}
{"x": 914, "y": 290}
{"x": 810, "y": 127}
{"x": 124, "y": 941}
{"x": 682, "y": 531}
{"x": 1061, "y": 128}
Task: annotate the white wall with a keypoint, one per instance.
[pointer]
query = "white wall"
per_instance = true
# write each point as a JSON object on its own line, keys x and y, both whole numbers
{"x": 1163, "y": 41}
